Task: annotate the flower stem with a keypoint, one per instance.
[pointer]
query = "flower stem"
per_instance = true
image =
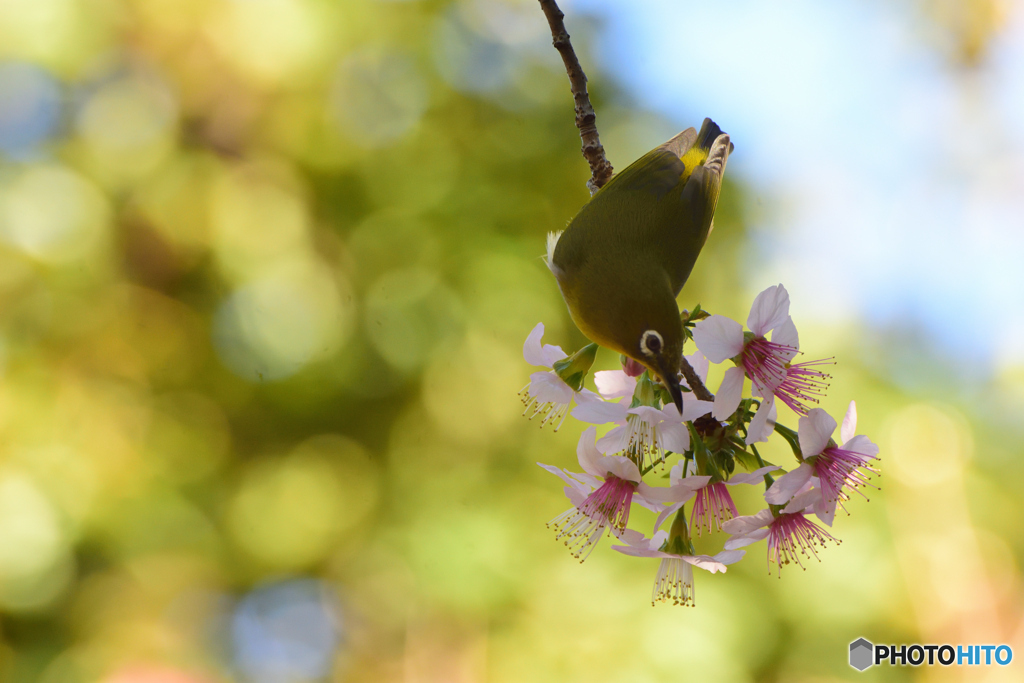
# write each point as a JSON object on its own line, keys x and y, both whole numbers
{"x": 792, "y": 438}
{"x": 768, "y": 478}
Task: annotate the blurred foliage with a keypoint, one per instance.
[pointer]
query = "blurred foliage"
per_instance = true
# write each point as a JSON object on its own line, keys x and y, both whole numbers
{"x": 266, "y": 267}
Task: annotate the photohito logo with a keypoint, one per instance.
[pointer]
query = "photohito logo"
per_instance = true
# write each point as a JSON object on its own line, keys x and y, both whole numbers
{"x": 864, "y": 654}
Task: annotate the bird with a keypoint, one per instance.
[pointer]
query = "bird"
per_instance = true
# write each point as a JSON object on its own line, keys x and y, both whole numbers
{"x": 623, "y": 259}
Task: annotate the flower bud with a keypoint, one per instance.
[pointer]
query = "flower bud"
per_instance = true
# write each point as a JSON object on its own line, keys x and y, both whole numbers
{"x": 573, "y": 370}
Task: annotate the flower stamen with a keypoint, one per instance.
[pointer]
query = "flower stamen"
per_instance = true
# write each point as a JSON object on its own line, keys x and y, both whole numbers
{"x": 581, "y": 527}
{"x": 712, "y": 504}
{"x": 674, "y": 582}
{"x": 792, "y": 535}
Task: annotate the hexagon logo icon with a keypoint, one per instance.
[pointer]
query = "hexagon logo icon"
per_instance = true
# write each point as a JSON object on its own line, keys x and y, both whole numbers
{"x": 861, "y": 654}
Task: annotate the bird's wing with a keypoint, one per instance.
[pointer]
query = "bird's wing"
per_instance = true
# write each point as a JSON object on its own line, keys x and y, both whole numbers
{"x": 681, "y": 143}
{"x": 656, "y": 172}
{"x": 699, "y": 199}
{"x": 711, "y": 183}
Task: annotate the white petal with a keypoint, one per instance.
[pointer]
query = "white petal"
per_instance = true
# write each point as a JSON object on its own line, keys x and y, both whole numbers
{"x": 649, "y": 414}
{"x": 718, "y": 338}
{"x": 755, "y": 477}
{"x": 599, "y": 412}
{"x": 786, "y": 335}
{"x": 635, "y": 551}
{"x": 675, "y": 475}
{"x": 826, "y": 510}
{"x": 576, "y": 496}
{"x": 815, "y": 429}
{"x": 614, "y": 384}
{"x": 531, "y": 349}
{"x": 680, "y": 491}
{"x": 552, "y": 353}
{"x": 727, "y": 400}
{"x": 587, "y": 453}
{"x": 621, "y": 467}
{"x": 730, "y": 556}
{"x": 704, "y": 562}
{"x": 770, "y": 309}
{"x": 670, "y": 510}
{"x": 675, "y": 437}
{"x": 763, "y": 423}
{"x": 633, "y": 537}
{"x": 741, "y": 540}
{"x": 692, "y": 409}
{"x": 614, "y": 441}
{"x": 804, "y": 500}
{"x": 786, "y": 486}
{"x": 643, "y": 501}
{"x": 849, "y": 428}
{"x": 747, "y": 523}
{"x": 699, "y": 363}
{"x": 861, "y": 444}
{"x": 590, "y": 480}
{"x": 547, "y": 387}
{"x": 560, "y": 473}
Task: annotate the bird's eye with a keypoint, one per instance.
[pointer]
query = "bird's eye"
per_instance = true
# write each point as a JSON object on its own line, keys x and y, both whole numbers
{"x": 651, "y": 343}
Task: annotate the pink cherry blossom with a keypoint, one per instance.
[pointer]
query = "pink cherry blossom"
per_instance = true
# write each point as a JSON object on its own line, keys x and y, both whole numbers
{"x": 835, "y": 467}
{"x": 674, "y": 580}
{"x": 613, "y": 384}
{"x": 546, "y": 394}
{"x": 644, "y": 433}
{"x": 713, "y": 505}
{"x": 790, "y": 534}
{"x": 601, "y": 496}
{"x": 768, "y": 364}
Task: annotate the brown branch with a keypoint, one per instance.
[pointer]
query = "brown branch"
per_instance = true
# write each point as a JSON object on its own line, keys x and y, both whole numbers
{"x": 586, "y": 119}
{"x": 699, "y": 390}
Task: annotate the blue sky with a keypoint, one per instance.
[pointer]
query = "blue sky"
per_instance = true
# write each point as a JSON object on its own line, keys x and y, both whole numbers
{"x": 895, "y": 182}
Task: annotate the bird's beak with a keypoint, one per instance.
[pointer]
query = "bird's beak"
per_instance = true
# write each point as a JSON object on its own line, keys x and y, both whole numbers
{"x": 671, "y": 381}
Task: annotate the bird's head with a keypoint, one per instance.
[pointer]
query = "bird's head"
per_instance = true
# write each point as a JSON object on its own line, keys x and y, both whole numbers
{"x": 659, "y": 349}
{"x": 646, "y": 327}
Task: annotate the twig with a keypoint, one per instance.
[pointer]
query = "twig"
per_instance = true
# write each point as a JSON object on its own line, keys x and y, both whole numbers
{"x": 593, "y": 150}
{"x": 699, "y": 390}
{"x": 586, "y": 119}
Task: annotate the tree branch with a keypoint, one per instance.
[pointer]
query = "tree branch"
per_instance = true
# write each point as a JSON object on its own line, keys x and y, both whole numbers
{"x": 699, "y": 390}
{"x": 586, "y": 119}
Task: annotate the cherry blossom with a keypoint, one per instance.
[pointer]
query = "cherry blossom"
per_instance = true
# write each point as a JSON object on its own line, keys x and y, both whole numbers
{"x": 713, "y": 505}
{"x": 601, "y": 496}
{"x": 834, "y": 467}
{"x": 790, "y": 533}
{"x": 674, "y": 580}
{"x": 768, "y": 364}
{"x": 547, "y": 394}
{"x": 645, "y": 433}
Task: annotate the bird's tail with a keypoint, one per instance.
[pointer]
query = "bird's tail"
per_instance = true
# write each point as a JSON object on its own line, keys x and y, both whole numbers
{"x": 709, "y": 132}
{"x": 716, "y": 147}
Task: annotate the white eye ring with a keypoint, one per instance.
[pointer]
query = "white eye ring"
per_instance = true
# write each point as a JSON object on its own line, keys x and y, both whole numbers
{"x": 645, "y": 343}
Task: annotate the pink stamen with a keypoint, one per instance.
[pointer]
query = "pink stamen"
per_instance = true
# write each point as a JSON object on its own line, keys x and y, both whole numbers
{"x": 792, "y": 535}
{"x": 837, "y": 468}
{"x": 765, "y": 362}
{"x": 767, "y": 365}
{"x": 607, "y": 505}
{"x": 803, "y": 385}
{"x": 712, "y": 504}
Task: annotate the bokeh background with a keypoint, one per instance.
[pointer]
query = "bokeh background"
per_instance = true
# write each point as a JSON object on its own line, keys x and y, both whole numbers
{"x": 266, "y": 267}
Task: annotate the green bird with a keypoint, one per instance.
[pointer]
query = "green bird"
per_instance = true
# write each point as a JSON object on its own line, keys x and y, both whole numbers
{"x": 626, "y": 255}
